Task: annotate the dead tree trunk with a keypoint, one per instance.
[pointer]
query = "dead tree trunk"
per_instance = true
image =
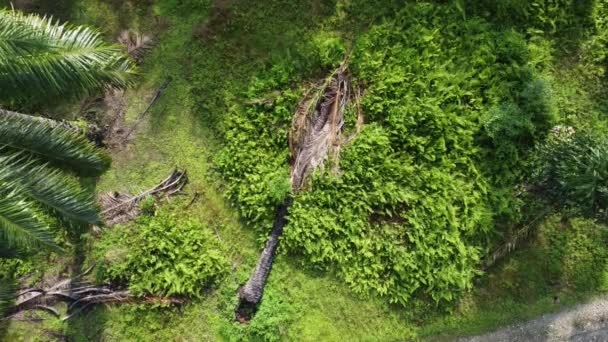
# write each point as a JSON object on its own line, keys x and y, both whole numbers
{"x": 314, "y": 138}
{"x": 251, "y": 293}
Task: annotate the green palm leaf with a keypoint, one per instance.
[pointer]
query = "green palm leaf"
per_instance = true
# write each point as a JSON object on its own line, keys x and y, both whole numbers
{"x": 41, "y": 58}
{"x": 49, "y": 187}
{"x": 52, "y": 143}
{"x": 7, "y": 295}
{"x": 20, "y": 224}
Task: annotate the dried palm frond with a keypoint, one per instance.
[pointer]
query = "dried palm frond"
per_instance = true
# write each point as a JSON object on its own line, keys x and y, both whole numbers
{"x": 120, "y": 208}
{"x": 317, "y": 125}
{"x": 136, "y": 43}
{"x": 78, "y": 294}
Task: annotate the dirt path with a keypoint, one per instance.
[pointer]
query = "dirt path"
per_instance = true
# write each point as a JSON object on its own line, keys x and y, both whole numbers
{"x": 585, "y": 322}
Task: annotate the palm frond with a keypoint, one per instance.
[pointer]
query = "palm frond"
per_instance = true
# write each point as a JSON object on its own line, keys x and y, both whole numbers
{"x": 49, "y": 187}
{"x": 52, "y": 143}
{"x": 40, "y": 57}
{"x": 20, "y": 224}
{"x": 7, "y": 295}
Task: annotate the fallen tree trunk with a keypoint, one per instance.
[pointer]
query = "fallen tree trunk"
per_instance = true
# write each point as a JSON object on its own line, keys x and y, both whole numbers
{"x": 314, "y": 138}
{"x": 251, "y": 293}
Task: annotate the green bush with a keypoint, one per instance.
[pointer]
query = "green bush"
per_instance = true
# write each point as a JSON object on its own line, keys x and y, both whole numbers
{"x": 595, "y": 48}
{"x": 162, "y": 255}
{"x": 271, "y": 323}
{"x": 550, "y": 16}
{"x": 522, "y": 123}
{"x": 572, "y": 170}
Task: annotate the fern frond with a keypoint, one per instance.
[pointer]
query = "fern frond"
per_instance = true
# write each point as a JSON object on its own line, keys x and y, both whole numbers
{"x": 52, "y": 143}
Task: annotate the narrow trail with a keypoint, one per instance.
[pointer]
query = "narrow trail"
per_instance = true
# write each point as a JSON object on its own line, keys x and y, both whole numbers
{"x": 582, "y": 323}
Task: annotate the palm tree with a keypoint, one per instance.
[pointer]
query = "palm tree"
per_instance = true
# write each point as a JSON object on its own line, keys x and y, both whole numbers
{"x": 40, "y": 160}
{"x": 42, "y": 59}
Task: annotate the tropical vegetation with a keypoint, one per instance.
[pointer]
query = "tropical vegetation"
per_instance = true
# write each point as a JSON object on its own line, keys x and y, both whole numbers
{"x": 467, "y": 190}
{"x": 41, "y": 160}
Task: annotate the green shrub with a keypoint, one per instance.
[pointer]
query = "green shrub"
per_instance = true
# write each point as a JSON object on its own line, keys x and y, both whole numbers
{"x": 550, "y": 16}
{"x": 595, "y": 48}
{"x": 162, "y": 255}
{"x": 271, "y": 323}
{"x": 522, "y": 123}
{"x": 148, "y": 205}
{"x": 572, "y": 170}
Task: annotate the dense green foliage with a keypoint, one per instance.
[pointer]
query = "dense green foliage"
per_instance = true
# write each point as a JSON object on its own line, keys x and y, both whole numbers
{"x": 573, "y": 171}
{"x": 446, "y": 99}
{"x": 162, "y": 255}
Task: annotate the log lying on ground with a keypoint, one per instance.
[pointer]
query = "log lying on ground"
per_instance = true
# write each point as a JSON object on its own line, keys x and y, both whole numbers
{"x": 120, "y": 208}
{"x": 251, "y": 293}
{"x": 314, "y": 138}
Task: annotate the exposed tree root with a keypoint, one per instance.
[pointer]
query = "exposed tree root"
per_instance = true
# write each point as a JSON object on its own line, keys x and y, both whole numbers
{"x": 314, "y": 138}
{"x": 120, "y": 208}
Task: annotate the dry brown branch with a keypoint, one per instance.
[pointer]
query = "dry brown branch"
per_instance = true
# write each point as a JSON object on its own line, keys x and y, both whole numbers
{"x": 155, "y": 98}
{"x": 136, "y": 43}
{"x": 120, "y": 208}
{"x": 78, "y": 294}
